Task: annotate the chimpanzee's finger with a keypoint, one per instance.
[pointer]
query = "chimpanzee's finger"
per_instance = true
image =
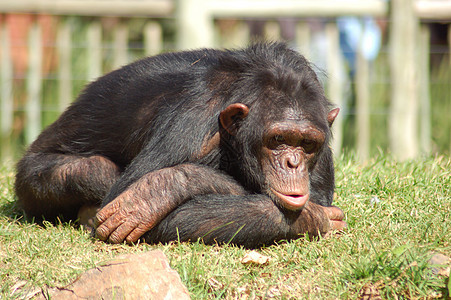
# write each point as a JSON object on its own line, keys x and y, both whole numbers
{"x": 105, "y": 229}
{"x": 106, "y": 212}
{"x": 121, "y": 232}
{"x": 335, "y": 213}
{"x": 338, "y": 225}
{"x": 136, "y": 234}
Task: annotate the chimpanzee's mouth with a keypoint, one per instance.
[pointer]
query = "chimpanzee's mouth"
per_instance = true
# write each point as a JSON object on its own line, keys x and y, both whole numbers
{"x": 292, "y": 201}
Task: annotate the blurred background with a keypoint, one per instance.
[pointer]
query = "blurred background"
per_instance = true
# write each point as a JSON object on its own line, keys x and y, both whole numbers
{"x": 386, "y": 64}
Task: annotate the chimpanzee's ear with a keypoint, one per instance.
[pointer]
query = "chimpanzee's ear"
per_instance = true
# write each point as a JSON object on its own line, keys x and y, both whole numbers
{"x": 332, "y": 115}
{"x": 230, "y": 116}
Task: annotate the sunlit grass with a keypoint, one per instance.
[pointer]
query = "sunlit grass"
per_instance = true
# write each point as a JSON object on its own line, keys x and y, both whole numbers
{"x": 398, "y": 214}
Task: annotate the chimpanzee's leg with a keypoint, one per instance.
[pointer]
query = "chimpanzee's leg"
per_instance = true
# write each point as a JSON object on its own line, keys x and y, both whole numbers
{"x": 51, "y": 185}
{"x": 250, "y": 220}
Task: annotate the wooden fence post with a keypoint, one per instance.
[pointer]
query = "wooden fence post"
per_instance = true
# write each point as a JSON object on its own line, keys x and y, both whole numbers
{"x": 94, "y": 36}
{"x": 272, "y": 31}
{"x": 6, "y": 95}
{"x": 362, "y": 92}
{"x": 153, "y": 44}
{"x": 335, "y": 84}
{"x": 425, "y": 95}
{"x": 235, "y": 35}
{"x": 64, "y": 45}
{"x": 34, "y": 84}
{"x": 303, "y": 38}
{"x": 120, "y": 44}
{"x": 194, "y": 24}
{"x": 403, "y": 119}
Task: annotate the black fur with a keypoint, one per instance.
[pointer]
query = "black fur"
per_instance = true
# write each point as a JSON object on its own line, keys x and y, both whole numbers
{"x": 156, "y": 113}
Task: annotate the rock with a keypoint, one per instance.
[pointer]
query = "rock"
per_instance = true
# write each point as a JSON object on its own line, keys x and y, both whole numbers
{"x": 134, "y": 276}
{"x": 255, "y": 258}
{"x": 440, "y": 264}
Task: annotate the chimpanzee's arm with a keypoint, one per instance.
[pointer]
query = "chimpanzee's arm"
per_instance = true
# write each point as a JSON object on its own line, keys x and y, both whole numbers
{"x": 322, "y": 181}
{"x": 149, "y": 199}
{"x": 250, "y": 220}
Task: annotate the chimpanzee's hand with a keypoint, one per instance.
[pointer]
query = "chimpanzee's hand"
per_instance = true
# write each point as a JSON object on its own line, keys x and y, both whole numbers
{"x": 336, "y": 217}
{"x": 317, "y": 220}
{"x": 127, "y": 218}
{"x": 141, "y": 206}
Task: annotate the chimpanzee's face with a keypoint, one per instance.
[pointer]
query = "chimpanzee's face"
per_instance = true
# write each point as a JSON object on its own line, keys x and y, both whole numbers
{"x": 287, "y": 156}
{"x": 281, "y": 133}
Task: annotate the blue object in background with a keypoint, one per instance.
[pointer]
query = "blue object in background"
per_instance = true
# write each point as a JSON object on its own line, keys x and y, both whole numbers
{"x": 355, "y": 32}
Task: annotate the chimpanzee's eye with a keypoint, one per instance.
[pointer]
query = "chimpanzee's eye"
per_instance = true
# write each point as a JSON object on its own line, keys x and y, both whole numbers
{"x": 279, "y": 139}
{"x": 309, "y": 145}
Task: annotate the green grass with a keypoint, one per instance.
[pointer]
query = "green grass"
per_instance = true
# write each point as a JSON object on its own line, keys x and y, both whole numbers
{"x": 398, "y": 214}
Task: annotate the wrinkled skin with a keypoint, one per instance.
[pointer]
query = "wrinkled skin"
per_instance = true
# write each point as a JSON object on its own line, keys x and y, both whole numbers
{"x": 135, "y": 212}
{"x": 287, "y": 154}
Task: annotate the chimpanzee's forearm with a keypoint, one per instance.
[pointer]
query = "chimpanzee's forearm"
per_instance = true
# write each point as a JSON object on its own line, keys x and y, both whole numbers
{"x": 147, "y": 201}
{"x": 251, "y": 220}
{"x": 181, "y": 182}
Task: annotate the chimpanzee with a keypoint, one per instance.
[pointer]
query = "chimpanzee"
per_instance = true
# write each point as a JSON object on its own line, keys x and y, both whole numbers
{"x": 223, "y": 145}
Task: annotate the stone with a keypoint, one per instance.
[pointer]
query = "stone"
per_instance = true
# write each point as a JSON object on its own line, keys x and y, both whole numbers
{"x": 440, "y": 264}
{"x": 133, "y": 276}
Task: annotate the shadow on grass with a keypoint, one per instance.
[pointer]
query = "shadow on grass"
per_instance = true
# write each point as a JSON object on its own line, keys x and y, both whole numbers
{"x": 11, "y": 210}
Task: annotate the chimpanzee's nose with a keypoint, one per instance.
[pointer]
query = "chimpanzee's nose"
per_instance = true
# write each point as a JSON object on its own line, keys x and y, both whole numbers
{"x": 293, "y": 160}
